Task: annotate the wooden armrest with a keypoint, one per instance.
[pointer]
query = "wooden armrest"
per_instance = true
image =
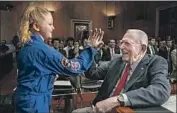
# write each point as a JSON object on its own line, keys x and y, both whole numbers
{"x": 124, "y": 110}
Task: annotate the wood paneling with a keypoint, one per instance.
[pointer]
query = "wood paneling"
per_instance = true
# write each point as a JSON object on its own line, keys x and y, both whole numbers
{"x": 8, "y": 25}
{"x": 64, "y": 11}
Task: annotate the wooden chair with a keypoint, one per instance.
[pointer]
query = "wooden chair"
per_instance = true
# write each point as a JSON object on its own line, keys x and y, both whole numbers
{"x": 124, "y": 110}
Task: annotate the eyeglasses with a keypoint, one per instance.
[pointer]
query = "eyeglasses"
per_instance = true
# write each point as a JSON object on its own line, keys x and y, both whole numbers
{"x": 127, "y": 43}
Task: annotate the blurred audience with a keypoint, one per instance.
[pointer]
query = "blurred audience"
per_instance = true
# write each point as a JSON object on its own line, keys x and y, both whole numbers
{"x": 3, "y": 46}
{"x": 59, "y": 45}
{"x": 69, "y": 45}
{"x": 109, "y": 52}
{"x": 174, "y": 61}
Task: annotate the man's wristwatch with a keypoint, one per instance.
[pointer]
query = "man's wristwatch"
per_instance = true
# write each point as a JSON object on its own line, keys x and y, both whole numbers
{"x": 120, "y": 99}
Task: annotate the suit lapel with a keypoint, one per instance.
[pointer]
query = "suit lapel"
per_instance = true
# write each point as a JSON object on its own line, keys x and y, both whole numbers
{"x": 109, "y": 52}
{"x": 115, "y": 76}
{"x": 111, "y": 79}
{"x": 138, "y": 72}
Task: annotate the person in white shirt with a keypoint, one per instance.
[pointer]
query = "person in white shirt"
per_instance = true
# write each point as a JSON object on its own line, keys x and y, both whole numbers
{"x": 70, "y": 45}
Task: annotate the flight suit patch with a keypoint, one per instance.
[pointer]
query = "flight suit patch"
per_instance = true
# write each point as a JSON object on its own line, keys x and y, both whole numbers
{"x": 70, "y": 64}
{"x": 75, "y": 65}
{"x": 66, "y": 63}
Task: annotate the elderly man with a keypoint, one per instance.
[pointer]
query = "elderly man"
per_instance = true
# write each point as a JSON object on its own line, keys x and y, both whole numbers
{"x": 135, "y": 79}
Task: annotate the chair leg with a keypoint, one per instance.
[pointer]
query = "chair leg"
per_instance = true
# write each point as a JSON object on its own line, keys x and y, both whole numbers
{"x": 79, "y": 96}
{"x": 69, "y": 104}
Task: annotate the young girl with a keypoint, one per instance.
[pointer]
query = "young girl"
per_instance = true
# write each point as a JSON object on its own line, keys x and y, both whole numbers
{"x": 38, "y": 63}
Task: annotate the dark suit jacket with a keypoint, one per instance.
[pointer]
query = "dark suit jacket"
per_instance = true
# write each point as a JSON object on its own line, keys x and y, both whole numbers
{"x": 147, "y": 86}
{"x": 62, "y": 51}
{"x": 71, "y": 53}
{"x": 155, "y": 50}
{"x": 174, "y": 63}
{"x": 98, "y": 56}
{"x": 107, "y": 55}
{"x": 164, "y": 53}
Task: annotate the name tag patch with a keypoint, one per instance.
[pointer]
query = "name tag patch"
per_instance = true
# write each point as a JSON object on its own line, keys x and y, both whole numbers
{"x": 66, "y": 63}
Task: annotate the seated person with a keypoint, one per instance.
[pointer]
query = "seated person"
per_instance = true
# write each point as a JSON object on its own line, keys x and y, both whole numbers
{"x": 59, "y": 45}
{"x": 134, "y": 79}
{"x": 174, "y": 72}
{"x": 15, "y": 41}
{"x": 110, "y": 51}
{"x": 3, "y": 46}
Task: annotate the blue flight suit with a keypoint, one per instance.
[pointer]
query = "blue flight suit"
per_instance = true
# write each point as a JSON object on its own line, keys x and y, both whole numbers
{"x": 37, "y": 65}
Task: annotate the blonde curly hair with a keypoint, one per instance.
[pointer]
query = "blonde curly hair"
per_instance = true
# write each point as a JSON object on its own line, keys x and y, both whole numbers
{"x": 32, "y": 14}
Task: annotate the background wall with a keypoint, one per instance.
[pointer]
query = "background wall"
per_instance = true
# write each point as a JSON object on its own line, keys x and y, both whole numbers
{"x": 139, "y": 14}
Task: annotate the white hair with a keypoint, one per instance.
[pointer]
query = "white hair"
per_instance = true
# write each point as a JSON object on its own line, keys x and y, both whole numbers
{"x": 139, "y": 36}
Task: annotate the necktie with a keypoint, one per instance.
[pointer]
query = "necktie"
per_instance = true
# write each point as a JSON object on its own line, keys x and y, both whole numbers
{"x": 122, "y": 81}
{"x": 153, "y": 51}
{"x": 168, "y": 50}
{"x": 112, "y": 52}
